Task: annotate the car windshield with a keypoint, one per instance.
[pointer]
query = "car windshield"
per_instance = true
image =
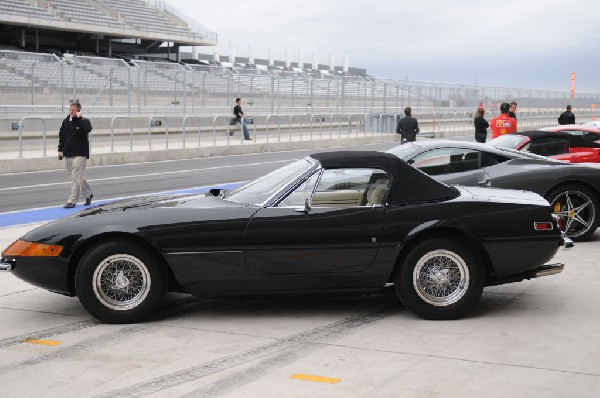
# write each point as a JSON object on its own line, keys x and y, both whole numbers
{"x": 507, "y": 141}
{"x": 405, "y": 151}
{"x": 259, "y": 191}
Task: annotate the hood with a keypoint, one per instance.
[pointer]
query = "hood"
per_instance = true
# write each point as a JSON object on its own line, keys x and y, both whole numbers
{"x": 144, "y": 202}
{"x": 504, "y": 195}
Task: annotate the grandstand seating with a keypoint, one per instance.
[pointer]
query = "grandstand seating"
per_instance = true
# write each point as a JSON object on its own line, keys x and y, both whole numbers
{"x": 140, "y": 16}
{"x": 82, "y": 12}
{"x": 128, "y": 14}
{"x": 25, "y": 8}
{"x": 97, "y": 80}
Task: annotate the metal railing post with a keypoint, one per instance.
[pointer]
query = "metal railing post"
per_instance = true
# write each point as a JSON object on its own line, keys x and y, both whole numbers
{"x": 21, "y": 134}
{"x": 185, "y": 119}
{"x": 112, "y": 125}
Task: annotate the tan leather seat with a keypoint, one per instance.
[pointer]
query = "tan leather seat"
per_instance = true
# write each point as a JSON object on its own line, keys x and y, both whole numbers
{"x": 376, "y": 192}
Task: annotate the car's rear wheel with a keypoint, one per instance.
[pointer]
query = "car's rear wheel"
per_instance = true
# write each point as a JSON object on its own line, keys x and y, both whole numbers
{"x": 440, "y": 279}
{"x": 119, "y": 282}
{"x": 578, "y": 208}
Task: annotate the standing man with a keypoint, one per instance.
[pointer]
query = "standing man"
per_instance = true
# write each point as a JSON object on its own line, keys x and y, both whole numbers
{"x": 567, "y": 117}
{"x": 239, "y": 114}
{"x": 512, "y": 112}
{"x": 74, "y": 147}
{"x": 408, "y": 127}
{"x": 503, "y": 124}
{"x": 481, "y": 125}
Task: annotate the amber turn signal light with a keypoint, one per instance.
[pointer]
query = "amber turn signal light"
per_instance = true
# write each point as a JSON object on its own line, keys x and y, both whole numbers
{"x": 29, "y": 249}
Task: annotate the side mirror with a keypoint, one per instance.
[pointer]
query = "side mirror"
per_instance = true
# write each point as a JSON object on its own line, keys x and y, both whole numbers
{"x": 306, "y": 209}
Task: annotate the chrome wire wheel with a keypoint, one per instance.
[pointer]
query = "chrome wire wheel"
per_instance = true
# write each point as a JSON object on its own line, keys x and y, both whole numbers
{"x": 441, "y": 277}
{"x": 121, "y": 282}
{"x": 576, "y": 210}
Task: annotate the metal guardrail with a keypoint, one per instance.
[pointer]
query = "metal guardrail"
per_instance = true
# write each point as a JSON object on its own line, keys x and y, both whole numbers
{"x": 21, "y": 134}
{"x": 175, "y": 130}
{"x": 112, "y": 131}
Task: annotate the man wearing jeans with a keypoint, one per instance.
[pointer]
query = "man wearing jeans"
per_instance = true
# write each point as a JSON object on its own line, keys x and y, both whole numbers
{"x": 239, "y": 114}
{"x": 74, "y": 147}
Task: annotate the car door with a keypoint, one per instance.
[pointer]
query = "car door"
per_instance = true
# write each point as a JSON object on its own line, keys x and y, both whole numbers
{"x": 453, "y": 165}
{"x": 337, "y": 231}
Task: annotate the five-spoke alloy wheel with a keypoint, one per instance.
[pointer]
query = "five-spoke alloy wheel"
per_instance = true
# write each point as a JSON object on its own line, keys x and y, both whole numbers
{"x": 577, "y": 207}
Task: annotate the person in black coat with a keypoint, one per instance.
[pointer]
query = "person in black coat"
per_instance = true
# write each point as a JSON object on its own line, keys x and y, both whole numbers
{"x": 481, "y": 125}
{"x": 567, "y": 117}
{"x": 74, "y": 147}
{"x": 407, "y": 127}
{"x": 512, "y": 111}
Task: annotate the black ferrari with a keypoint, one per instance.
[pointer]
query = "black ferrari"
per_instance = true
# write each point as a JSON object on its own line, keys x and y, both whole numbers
{"x": 572, "y": 189}
{"x": 329, "y": 223}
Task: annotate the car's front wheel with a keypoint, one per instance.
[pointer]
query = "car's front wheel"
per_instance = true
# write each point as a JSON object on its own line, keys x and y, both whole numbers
{"x": 440, "y": 279}
{"x": 119, "y": 282}
{"x": 578, "y": 209}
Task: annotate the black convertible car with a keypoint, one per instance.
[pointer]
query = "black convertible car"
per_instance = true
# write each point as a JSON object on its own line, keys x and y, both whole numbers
{"x": 572, "y": 189}
{"x": 332, "y": 222}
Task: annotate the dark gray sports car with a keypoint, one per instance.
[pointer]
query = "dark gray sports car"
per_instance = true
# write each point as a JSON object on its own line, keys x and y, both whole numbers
{"x": 572, "y": 189}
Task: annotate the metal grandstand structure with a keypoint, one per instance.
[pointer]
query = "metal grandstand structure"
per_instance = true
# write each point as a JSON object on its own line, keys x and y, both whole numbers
{"x": 121, "y": 65}
{"x": 48, "y": 81}
{"x": 101, "y": 27}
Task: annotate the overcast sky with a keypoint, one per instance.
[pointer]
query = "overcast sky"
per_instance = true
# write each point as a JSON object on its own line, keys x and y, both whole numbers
{"x": 511, "y": 43}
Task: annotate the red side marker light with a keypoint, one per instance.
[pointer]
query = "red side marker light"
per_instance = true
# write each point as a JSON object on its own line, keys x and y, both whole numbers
{"x": 543, "y": 226}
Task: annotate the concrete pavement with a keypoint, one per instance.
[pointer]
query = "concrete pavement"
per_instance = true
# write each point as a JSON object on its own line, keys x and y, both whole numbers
{"x": 536, "y": 338}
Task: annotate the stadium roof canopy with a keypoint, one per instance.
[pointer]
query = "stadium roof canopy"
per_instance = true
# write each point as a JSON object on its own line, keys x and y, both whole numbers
{"x": 99, "y": 26}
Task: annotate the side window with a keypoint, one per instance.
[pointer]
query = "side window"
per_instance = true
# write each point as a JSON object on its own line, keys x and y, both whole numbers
{"x": 590, "y": 136}
{"x": 448, "y": 160}
{"x": 351, "y": 187}
{"x": 488, "y": 159}
{"x": 549, "y": 146}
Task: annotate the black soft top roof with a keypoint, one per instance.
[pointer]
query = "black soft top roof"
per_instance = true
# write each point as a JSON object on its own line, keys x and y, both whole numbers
{"x": 575, "y": 141}
{"x": 408, "y": 184}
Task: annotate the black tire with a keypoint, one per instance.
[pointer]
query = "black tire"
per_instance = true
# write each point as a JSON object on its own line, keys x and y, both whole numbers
{"x": 578, "y": 207}
{"x": 120, "y": 282}
{"x": 440, "y": 279}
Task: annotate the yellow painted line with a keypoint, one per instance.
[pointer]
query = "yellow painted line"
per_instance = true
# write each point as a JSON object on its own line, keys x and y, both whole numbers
{"x": 42, "y": 342}
{"x": 316, "y": 379}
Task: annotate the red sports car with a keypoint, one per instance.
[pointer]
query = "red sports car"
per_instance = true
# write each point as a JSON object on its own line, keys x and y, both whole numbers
{"x": 593, "y": 123}
{"x": 591, "y": 133}
{"x": 559, "y": 145}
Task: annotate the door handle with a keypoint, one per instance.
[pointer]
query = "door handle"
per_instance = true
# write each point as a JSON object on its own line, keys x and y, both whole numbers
{"x": 485, "y": 183}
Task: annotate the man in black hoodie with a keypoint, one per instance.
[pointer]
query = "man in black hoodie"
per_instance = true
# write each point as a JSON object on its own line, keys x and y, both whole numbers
{"x": 407, "y": 127}
{"x": 567, "y": 117}
{"x": 74, "y": 147}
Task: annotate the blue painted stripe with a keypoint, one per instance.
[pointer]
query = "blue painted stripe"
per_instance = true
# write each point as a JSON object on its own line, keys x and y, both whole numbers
{"x": 22, "y": 217}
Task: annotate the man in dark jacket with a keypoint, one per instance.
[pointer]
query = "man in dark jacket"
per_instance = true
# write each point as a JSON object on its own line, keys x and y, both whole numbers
{"x": 74, "y": 147}
{"x": 512, "y": 111}
{"x": 567, "y": 117}
{"x": 239, "y": 114}
{"x": 408, "y": 127}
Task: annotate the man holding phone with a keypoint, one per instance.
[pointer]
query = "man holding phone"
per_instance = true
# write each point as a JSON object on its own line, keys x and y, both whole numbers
{"x": 74, "y": 147}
